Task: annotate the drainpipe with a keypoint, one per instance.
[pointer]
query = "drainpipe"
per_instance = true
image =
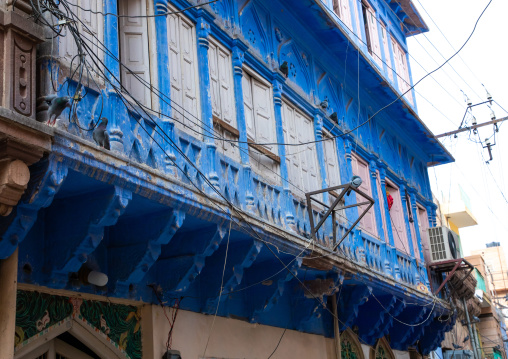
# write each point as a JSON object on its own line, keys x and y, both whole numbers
{"x": 472, "y": 335}
{"x": 336, "y": 332}
{"x": 8, "y": 273}
{"x": 478, "y": 344}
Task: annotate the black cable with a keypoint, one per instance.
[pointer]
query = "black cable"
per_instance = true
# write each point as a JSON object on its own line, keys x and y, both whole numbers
{"x": 280, "y": 339}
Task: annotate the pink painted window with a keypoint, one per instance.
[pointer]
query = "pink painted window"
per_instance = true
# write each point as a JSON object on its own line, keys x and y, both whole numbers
{"x": 397, "y": 219}
{"x": 360, "y": 168}
{"x": 423, "y": 223}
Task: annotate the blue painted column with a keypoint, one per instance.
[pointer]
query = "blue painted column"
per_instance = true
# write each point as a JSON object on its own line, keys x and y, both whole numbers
{"x": 352, "y": 213}
{"x": 414, "y": 209}
{"x": 420, "y": 260}
{"x": 277, "y": 83}
{"x": 402, "y": 191}
{"x": 114, "y": 109}
{"x": 391, "y": 252}
{"x": 210, "y": 161}
{"x": 164, "y": 79}
{"x": 375, "y": 195}
{"x": 239, "y": 49}
{"x": 320, "y": 151}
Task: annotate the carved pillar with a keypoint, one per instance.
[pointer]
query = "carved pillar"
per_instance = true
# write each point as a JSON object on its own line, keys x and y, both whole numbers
{"x": 414, "y": 209}
{"x": 318, "y": 132}
{"x": 376, "y": 195}
{"x": 115, "y": 109}
{"x": 164, "y": 76}
{"x": 203, "y": 29}
{"x": 277, "y": 83}
{"x": 402, "y": 191}
{"x": 351, "y": 213}
{"x": 8, "y": 273}
{"x": 392, "y": 251}
{"x": 238, "y": 58}
{"x": 18, "y": 38}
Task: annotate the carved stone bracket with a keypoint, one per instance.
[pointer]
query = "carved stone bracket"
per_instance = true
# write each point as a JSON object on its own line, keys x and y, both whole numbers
{"x": 106, "y": 215}
{"x": 53, "y": 172}
{"x": 236, "y": 277}
{"x": 152, "y": 252}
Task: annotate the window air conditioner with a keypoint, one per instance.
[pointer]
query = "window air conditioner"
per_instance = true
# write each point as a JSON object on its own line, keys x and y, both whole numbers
{"x": 443, "y": 244}
{"x": 458, "y": 354}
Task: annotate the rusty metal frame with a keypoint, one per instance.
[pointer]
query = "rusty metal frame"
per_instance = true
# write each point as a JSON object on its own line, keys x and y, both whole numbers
{"x": 458, "y": 262}
{"x": 346, "y": 190}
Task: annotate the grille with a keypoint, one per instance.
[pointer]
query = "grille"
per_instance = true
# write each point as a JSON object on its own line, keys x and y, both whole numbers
{"x": 437, "y": 244}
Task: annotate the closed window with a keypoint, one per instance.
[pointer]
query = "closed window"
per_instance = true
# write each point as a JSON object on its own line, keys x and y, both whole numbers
{"x": 371, "y": 32}
{"x": 423, "y": 223}
{"x": 386, "y": 49}
{"x": 400, "y": 58}
{"x": 133, "y": 33}
{"x": 184, "y": 74}
{"x": 341, "y": 8}
{"x": 91, "y": 30}
{"x": 397, "y": 219}
{"x": 301, "y": 160}
{"x": 331, "y": 161}
{"x": 221, "y": 83}
{"x": 260, "y": 123}
{"x": 361, "y": 168}
{"x": 223, "y": 99}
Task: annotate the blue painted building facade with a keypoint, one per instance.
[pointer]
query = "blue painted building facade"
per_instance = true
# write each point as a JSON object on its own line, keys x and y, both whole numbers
{"x": 221, "y": 117}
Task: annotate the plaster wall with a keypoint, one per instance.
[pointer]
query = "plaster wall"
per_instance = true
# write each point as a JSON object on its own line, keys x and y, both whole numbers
{"x": 229, "y": 338}
{"x": 400, "y": 354}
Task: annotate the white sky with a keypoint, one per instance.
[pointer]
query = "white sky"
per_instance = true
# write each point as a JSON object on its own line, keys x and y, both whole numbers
{"x": 482, "y": 60}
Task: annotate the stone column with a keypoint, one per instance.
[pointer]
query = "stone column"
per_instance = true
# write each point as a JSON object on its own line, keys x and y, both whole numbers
{"x": 203, "y": 30}
{"x": 115, "y": 108}
{"x": 8, "y": 273}
{"x": 164, "y": 79}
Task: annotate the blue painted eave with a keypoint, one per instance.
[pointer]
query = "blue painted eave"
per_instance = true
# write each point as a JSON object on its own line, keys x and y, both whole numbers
{"x": 324, "y": 26}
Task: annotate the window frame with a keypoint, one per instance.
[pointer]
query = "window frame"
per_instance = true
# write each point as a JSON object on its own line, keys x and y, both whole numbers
{"x": 397, "y": 202}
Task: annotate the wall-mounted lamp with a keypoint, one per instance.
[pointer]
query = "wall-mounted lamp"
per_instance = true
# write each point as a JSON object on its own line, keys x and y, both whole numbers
{"x": 172, "y": 354}
{"x": 88, "y": 276}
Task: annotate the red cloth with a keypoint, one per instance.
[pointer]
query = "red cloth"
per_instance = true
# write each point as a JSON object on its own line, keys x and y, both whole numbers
{"x": 390, "y": 200}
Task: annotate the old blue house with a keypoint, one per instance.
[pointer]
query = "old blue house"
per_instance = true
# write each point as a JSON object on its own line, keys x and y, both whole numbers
{"x": 220, "y": 118}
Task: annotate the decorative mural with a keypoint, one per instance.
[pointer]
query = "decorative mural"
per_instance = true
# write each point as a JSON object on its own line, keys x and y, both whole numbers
{"x": 350, "y": 348}
{"x": 37, "y": 313}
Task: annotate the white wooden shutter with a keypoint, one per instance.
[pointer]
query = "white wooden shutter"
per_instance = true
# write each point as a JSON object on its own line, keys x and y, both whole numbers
{"x": 248, "y": 105}
{"x": 398, "y": 226}
{"x": 308, "y": 157}
{"x": 374, "y": 35}
{"x": 134, "y": 50}
{"x": 361, "y": 169}
{"x": 331, "y": 161}
{"x": 213, "y": 68}
{"x": 183, "y": 72}
{"x": 175, "y": 69}
{"x": 226, "y": 86}
{"x": 91, "y": 30}
{"x": 388, "y": 60}
{"x": 264, "y": 121}
{"x": 292, "y": 159}
{"x": 189, "y": 75}
{"x": 345, "y": 13}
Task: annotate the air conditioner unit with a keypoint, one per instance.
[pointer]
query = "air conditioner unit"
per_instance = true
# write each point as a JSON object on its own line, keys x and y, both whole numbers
{"x": 458, "y": 354}
{"x": 444, "y": 244}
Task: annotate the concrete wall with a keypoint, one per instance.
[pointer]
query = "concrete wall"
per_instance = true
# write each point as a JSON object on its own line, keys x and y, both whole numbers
{"x": 229, "y": 338}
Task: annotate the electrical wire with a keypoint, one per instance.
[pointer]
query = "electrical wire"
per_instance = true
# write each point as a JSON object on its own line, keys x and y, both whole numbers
{"x": 220, "y": 292}
{"x": 231, "y": 205}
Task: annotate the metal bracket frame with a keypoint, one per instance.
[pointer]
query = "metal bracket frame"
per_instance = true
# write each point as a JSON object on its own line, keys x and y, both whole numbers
{"x": 445, "y": 266}
{"x": 331, "y": 209}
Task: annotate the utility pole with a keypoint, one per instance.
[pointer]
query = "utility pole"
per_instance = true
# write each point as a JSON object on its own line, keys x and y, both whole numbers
{"x": 468, "y": 128}
{"x": 472, "y": 336}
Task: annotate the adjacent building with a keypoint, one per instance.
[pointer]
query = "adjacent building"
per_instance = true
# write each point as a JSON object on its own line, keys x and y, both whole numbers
{"x": 182, "y": 223}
